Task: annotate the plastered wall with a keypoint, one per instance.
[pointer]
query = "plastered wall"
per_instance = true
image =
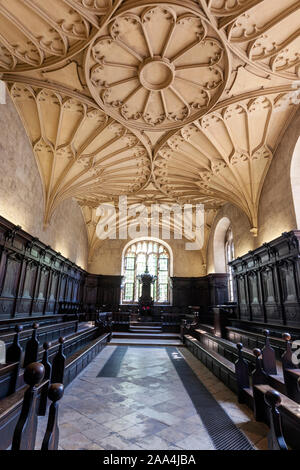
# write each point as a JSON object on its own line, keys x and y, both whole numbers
{"x": 243, "y": 239}
{"x": 276, "y": 208}
{"x": 21, "y": 193}
{"x": 108, "y": 259}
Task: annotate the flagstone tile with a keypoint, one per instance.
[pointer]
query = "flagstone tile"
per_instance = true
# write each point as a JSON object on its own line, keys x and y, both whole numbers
{"x": 146, "y": 406}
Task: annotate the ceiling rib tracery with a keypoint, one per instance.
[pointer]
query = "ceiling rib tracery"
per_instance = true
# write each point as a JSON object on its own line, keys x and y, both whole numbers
{"x": 80, "y": 151}
{"x": 211, "y": 83}
{"x": 171, "y": 67}
{"x": 224, "y": 156}
{"x": 36, "y": 34}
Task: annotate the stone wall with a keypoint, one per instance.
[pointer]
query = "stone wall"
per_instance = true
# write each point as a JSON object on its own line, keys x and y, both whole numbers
{"x": 276, "y": 208}
{"x": 21, "y": 193}
{"x": 243, "y": 239}
{"x": 108, "y": 259}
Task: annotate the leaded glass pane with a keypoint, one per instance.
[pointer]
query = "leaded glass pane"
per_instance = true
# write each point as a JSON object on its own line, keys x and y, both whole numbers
{"x": 163, "y": 264}
{"x": 141, "y": 263}
{"x": 152, "y": 264}
{"x": 129, "y": 262}
{"x": 128, "y": 291}
{"x": 163, "y": 277}
{"x": 163, "y": 292}
{"x": 129, "y": 276}
{"x": 138, "y": 256}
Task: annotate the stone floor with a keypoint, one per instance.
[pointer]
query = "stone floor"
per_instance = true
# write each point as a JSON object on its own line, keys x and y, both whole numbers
{"x": 138, "y": 401}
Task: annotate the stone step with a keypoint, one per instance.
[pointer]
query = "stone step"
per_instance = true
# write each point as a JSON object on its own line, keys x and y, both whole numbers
{"x": 144, "y": 327}
{"x": 142, "y": 330}
{"x": 153, "y": 336}
{"x": 144, "y": 342}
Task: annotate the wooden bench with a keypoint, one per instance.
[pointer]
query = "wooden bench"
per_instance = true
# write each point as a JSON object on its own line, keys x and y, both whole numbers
{"x": 171, "y": 323}
{"x": 7, "y": 326}
{"x": 10, "y": 407}
{"x": 218, "y": 365}
{"x": 228, "y": 350}
{"x": 253, "y": 340}
{"x": 290, "y": 415}
{"x": 72, "y": 344}
{"x": 45, "y": 333}
{"x": 120, "y": 321}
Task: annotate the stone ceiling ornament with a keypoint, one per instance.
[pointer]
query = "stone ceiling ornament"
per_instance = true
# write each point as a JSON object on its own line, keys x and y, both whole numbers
{"x": 36, "y": 33}
{"x": 80, "y": 152}
{"x": 172, "y": 101}
{"x": 157, "y": 67}
{"x": 224, "y": 156}
{"x": 264, "y": 33}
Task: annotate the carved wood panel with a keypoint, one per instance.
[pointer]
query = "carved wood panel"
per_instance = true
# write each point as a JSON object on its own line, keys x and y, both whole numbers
{"x": 267, "y": 281}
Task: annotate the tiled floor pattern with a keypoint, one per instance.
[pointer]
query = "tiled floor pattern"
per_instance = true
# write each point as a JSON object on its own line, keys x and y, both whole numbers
{"x": 224, "y": 434}
{"x": 145, "y": 406}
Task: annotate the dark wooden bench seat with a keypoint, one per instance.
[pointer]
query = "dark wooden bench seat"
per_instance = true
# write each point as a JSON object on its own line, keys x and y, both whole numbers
{"x": 7, "y": 374}
{"x": 290, "y": 415}
{"x": 276, "y": 330}
{"x": 79, "y": 360}
{"x": 223, "y": 346}
{"x": 120, "y": 321}
{"x": 73, "y": 343}
{"x": 171, "y": 322}
{"x": 208, "y": 328}
{"x": 228, "y": 350}
{"x": 9, "y": 324}
{"x": 253, "y": 340}
{"x": 10, "y": 406}
{"x": 217, "y": 364}
{"x": 45, "y": 333}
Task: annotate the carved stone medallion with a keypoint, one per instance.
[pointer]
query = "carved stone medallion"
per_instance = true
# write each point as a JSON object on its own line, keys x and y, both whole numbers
{"x": 157, "y": 67}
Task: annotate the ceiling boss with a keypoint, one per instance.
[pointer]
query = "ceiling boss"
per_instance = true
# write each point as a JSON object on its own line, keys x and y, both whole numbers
{"x": 157, "y": 67}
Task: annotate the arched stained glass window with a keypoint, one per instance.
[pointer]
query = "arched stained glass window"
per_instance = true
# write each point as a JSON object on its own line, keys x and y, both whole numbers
{"x": 229, "y": 256}
{"x": 138, "y": 257}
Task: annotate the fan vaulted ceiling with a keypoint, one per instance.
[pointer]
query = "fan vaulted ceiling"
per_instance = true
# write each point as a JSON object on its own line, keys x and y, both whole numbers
{"x": 166, "y": 101}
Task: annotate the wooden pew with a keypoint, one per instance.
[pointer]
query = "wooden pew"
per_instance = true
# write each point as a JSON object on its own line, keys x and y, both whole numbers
{"x": 253, "y": 340}
{"x": 11, "y": 374}
{"x": 284, "y": 379}
{"x": 45, "y": 333}
{"x": 8, "y": 325}
{"x": 10, "y": 407}
{"x": 171, "y": 322}
{"x": 120, "y": 321}
{"x": 276, "y": 439}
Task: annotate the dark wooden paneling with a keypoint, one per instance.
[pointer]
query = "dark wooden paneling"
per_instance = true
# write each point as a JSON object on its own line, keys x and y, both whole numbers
{"x": 205, "y": 292}
{"x": 100, "y": 290}
{"x": 33, "y": 277}
{"x": 267, "y": 282}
